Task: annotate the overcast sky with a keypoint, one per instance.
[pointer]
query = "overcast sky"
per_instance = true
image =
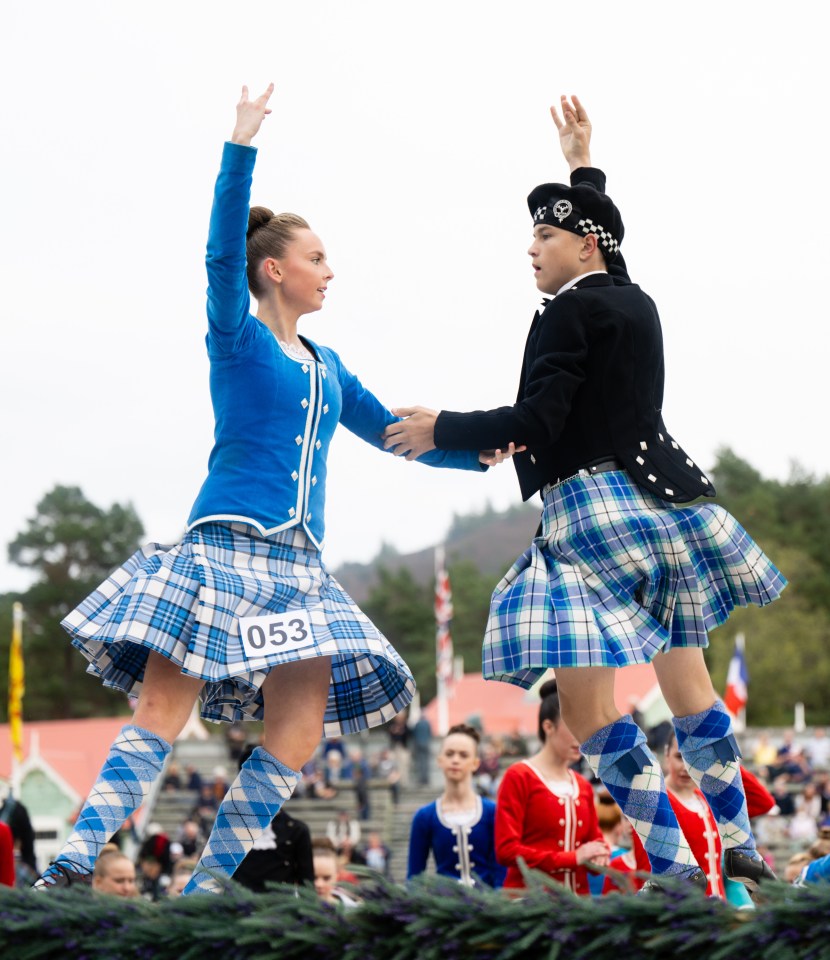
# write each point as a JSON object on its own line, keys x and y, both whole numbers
{"x": 409, "y": 136}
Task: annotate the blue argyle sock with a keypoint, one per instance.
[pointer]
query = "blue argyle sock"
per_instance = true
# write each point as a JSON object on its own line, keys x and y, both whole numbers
{"x": 711, "y": 754}
{"x": 618, "y": 755}
{"x": 260, "y": 789}
{"x": 135, "y": 759}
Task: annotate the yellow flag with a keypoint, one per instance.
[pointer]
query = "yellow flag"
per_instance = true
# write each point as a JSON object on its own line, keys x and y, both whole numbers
{"x": 16, "y": 686}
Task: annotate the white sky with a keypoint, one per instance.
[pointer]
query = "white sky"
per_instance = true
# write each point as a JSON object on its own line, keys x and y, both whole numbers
{"x": 409, "y": 136}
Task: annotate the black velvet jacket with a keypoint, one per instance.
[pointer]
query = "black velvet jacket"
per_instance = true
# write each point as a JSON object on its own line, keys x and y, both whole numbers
{"x": 591, "y": 389}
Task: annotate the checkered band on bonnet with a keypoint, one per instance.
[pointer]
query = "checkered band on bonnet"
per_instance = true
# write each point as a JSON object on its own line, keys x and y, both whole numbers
{"x": 609, "y": 244}
{"x": 562, "y": 212}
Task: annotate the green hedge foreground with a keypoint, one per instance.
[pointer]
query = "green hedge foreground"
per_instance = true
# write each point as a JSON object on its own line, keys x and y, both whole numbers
{"x": 427, "y": 920}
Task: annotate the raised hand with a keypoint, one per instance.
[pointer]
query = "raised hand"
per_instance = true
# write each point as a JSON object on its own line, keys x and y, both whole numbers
{"x": 574, "y": 132}
{"x": 414, "y": 435}
{"x": 492, "y": 458}
{"x": 249, "y": 116}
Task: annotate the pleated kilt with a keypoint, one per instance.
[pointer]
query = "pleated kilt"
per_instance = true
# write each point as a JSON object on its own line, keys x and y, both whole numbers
{"x": 617, "y": 576}
{"x": 186, "y": 602}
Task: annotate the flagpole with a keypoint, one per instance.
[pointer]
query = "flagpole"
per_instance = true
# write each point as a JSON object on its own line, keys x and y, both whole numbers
{"x": 440, "y": 678}
{"x": 740, "y": 718}
{"x": 740, "y": 721}
{"x": 16, "y": 690}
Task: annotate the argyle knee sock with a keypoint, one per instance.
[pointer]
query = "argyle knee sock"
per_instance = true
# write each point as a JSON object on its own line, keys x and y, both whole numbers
{"x": 711, "y": 754}
{"x": 135, "y": 759}
{"x": 260, "y": 789}
{"x": 618, "y": 755}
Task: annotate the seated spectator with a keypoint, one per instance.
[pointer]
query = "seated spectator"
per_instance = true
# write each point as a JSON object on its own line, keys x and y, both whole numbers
{"x": 803, "y": 828}
{"x": 809, "y": 801}
{"x": 786, "y": 747}
{"x": 783, "y": 796}
{"x": 281, "y": 854}
{"x": 194, "y": 779}
{"x": 114, "y": 874}
{"x": 191, "y": 838}
{"x": 325, "y": 873}
{"x": 334, "y": 754}
{"x": 313, "y": 782}
{"x": 388, "y": 771}
{"x": 182, "y": 871}
{"x": 176, "y": 854}
{"x": 172, "y": 778}
{"x": 515, "y": 744}
{"x": 221, "y": 784}
{"x": 236, "y": 735}
{"x": 156, "y": 844}
{"x": 152, "y": 881}
{"x": 489, "y": 769}
{"x": 818, "y": 749}
{"x": 377, "y": 855}
{"x": 204, "y": 813}
{"x": 764, "y": 755}
{"x": 797, "y": 766}
{"x": 355, "y": 761}
{"x": 345, "y": 827}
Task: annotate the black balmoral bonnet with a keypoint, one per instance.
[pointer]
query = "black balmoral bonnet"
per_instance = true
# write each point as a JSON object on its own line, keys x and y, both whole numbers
{"x": 580, "y": 209}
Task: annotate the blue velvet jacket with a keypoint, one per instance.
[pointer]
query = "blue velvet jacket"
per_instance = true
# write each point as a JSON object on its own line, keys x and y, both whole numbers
{"x": 275, "y": 415}
{"x": 467, "y": 853}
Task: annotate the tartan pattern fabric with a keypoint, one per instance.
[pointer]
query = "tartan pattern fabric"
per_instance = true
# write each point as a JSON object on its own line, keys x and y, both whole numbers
{"x": 135, "y": 759}
{"x": 641, "y": 797}
{"x": 261, "y": 787}
{"x": 617, "y": 576}
{"x": 185, "y": 602}
{"x": 717, "y": 778}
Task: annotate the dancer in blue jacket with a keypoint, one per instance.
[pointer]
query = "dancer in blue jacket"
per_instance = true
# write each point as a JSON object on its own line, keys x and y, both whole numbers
{"x": 242, "y": 612}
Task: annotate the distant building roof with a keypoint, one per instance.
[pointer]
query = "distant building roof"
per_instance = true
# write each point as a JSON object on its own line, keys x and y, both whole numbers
{"x": 75, "y": 749}
{"x": 504, "y": 708}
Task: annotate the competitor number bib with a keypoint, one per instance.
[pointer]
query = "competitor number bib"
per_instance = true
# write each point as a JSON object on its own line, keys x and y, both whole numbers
{"x": 275, "y": 633}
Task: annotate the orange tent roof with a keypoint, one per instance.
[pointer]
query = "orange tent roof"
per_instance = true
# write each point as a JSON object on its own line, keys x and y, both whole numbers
{"x": 505, "y": 709}
{"x": 75, "y": 749}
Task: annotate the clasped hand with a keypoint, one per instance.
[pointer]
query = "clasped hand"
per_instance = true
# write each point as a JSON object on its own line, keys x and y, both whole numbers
{"x": 415, "y": 435}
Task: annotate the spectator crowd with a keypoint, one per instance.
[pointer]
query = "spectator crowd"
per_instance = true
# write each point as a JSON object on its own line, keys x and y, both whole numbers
{"x": 787, "y": 779}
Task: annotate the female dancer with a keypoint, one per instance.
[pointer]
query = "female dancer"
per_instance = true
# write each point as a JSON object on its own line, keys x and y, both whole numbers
{"x": 545, "y": 812}
{"x": 242, "y": 612}
{"x": 457, "y": 828}
{"x": 620, "y": 572}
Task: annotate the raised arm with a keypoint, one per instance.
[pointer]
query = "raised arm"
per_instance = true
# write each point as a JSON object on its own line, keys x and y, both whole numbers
{"x": 228, "y": 301}
{"x": 249, "y": 116}
{"x": 574, "y": 129}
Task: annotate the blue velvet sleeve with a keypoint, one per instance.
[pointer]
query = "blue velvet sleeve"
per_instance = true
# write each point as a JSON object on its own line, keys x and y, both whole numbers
{"x": 419, "y": 843}
{"x": 365, "y": 416}
{"x": 228, "y": 300}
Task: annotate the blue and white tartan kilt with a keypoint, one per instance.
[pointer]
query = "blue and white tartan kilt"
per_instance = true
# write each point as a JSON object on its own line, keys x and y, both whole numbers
{"x": 617, "y": 576}
{"x": 186, "y": 601}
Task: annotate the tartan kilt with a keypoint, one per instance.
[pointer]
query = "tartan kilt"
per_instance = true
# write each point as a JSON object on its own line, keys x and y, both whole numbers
{"x": 186, "y": 601}
{"x": 617, "y": 576}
